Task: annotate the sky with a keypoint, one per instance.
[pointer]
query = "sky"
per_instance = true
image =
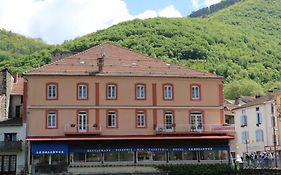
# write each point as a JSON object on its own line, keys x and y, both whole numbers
{"x": 56, "y": 21}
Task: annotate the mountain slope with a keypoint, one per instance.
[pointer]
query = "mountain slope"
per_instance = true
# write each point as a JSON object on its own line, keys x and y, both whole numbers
{"x": 240, "y": 42}
{"x": 213, "y": 8}
{"x": 14, "y": 46}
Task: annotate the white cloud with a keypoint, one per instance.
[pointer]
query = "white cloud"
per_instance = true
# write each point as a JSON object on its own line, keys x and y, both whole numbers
{"x": 195, "y": 4}
{"x": 59, "y": 20}
{"x": 211, "y": 2}
{"x": 169, "y": 11}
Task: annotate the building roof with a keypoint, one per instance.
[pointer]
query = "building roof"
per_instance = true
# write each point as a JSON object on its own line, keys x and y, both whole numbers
{"x": 257, "y": 101}
{"x": 17, "y": 88}
{"x": 11, "y": 122}
{"x": 118, "y": 61}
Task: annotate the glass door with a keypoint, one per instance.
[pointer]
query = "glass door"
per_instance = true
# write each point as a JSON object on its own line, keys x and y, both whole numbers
{"x": 196, "y": 122}
{"x": 82, "y": 122}
{"x": 169, "y": 121}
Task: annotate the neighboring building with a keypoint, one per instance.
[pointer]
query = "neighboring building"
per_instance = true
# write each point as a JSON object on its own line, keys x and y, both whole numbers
{"x": 254, "y": 125}
{"x": 110, "y": 105}
{"x": 12, "y": 128}
{"x": 229, "y": 121}
{"x": 278, "y": 112}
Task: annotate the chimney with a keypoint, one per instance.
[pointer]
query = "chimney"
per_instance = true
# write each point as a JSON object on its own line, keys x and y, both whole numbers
{"x": 100, "y": 63}
{"x": 16, "y": 78}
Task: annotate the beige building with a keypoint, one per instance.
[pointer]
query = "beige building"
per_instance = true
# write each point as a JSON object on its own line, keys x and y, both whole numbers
{"x": 255, "y": 125}
{"x": 110, "y": 105}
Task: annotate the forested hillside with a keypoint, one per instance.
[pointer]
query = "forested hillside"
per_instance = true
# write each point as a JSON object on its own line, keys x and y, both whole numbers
{"x": 241, "y": 43}
{"x": 213, "y": 8}
{"x": 17, "y": 46}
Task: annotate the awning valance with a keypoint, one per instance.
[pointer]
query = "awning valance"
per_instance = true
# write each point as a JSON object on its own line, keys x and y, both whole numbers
{"x": 49, "y": 148}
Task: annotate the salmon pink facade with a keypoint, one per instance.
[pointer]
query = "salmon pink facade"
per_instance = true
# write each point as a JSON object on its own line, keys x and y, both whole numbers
{"x": 111, "y": 105}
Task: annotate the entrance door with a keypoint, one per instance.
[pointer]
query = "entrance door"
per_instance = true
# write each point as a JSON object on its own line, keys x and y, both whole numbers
{"x": 8, "y": 164}
{"x": 82, "y": 122}
{"x": 169, "y": 121}
{"x": 196, "y": 122}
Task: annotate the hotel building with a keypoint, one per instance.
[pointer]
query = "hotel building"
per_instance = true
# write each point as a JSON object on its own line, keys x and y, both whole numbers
{"x": 110, "y": 105}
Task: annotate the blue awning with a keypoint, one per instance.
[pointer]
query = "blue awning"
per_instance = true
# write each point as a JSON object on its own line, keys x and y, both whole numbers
{"x": 77, "y": 150}
{"x": 49, "y": 148}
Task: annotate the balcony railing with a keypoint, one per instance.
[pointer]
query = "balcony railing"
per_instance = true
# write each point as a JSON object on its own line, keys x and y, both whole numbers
{"x": 187, "y": 128}
{"x": 74, "y": 129}
{"x": 10, "y": 146}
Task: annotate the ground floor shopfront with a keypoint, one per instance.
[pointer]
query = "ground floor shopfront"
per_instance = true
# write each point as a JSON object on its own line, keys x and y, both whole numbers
{"x": 58, "y": 155}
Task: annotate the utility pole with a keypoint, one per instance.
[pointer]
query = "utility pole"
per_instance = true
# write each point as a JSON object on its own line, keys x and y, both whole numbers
{"x": 275, "y": 140}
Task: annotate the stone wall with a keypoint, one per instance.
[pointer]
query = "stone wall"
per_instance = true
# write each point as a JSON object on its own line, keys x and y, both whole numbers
{"x": 6, "y": 81}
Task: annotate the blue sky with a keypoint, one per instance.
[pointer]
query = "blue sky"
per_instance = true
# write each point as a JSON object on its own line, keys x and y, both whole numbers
{"x": 58, "y": 20}
{"x": 185, "y": 7}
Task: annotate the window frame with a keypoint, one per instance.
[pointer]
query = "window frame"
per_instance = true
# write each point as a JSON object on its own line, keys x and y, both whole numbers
{"x": 86, "y": 85}
{"x": 116, "y": 118}
{"x": 47, "y": 119}
{"x": 107, "y": 91}
{"x": 258, "y": 116}
{"x": 56, "y": 91}
{"x": 198, "y": 98}
{"x": 144, "y": 119}
{"x": 259, "y": 135}
{"x": 164, "y": 92}
{"x": 78, "y": 112}
{"x": 144, "y": 91}
{"x": 245, "y": 137}
{"x": 243, "y": 118}
{"x": 172, "y": 113}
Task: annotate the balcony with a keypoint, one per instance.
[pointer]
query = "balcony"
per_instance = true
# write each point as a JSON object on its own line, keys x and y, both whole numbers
{"x": 10, "y": 146}
{"x": 193, "y": 129}
{"x": 77, "y": 129}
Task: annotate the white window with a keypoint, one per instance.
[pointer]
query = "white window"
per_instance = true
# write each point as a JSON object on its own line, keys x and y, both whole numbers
{"x": 111, "y": 91}
{"x": 196, "y": 121}
{"x": 195, "y": 92}
{"x": 243, "y": 118}
{"x": 140, "y": 119}
{"x": 259, "y": 135}
{"x": 111, "y": 117}
{"x": 52, "y": 91}
{"x": 140, "y": 91}
{"x": 169, "y": 120}
{"x": 51, "y": 119}
{"x": 82, "y": 91}
{"x": 168, "y": 92}
{"x": 258, "y": 116}
{"x": 245, "y": 137}
{"x": 82, "y": 121}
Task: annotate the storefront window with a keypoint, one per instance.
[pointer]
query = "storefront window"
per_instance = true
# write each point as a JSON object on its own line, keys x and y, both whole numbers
{"x": 144, "y": 156}
{"x": 175, "y": 155}
{"x": 151, "y": 156}
{"x": 79, "y": 157}
{"x": 58, "y": 159}
{"x": 159, "y": 156}
{"x": 93, "y": 157}
{"x": 126, "y": 156}
{"x": 118, "y": 156}
{"x": 213, "y": 155}
{"x": 189, "y": 155}
{"x": 41, "y": 159}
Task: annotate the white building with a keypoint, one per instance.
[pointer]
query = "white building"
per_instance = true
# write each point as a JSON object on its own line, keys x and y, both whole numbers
{"x": 12, "y": 125}
{"x": 254, "y": 123}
